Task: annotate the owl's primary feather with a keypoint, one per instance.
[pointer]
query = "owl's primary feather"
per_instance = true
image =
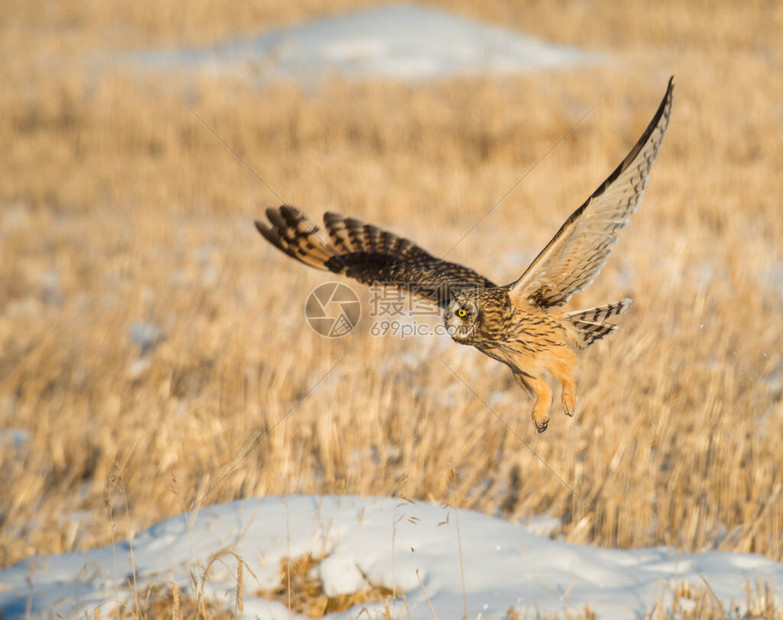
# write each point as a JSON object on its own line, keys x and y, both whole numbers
{"x": 368, "y": 254}
{"x": 577, "y": 253}
{"x": 516, "y": 324}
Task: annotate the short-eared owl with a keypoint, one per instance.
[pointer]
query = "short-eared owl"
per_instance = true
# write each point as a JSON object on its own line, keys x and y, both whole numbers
{"x": 518, "y": 323}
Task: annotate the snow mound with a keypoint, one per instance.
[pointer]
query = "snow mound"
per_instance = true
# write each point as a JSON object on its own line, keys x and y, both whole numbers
{"x": 379, "y": 541}
{"x": 405, "y": 42}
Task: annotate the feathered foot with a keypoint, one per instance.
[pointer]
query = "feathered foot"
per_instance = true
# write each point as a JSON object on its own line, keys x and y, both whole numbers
{"x": 543, "y": 395}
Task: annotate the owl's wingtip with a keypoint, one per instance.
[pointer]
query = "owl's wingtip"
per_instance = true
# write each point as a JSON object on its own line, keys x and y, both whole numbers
{"x": 291, "y": 212}
{"x": 268, "y": 233}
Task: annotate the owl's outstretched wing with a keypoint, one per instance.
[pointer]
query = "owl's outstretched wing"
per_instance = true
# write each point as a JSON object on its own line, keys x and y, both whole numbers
{"x": 366, "y": 253}
{"x": 577, "y": 253}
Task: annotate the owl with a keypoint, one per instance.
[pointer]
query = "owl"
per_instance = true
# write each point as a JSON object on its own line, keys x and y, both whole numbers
{"x": 520, "y": 324}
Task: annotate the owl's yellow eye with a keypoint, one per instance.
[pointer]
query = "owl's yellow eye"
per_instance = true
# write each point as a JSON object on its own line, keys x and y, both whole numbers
{"x": 461, "y": 313}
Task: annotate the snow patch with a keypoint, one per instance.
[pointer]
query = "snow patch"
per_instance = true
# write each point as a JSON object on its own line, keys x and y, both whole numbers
{"x": 406, "y": 42}
{"x": 380, "y": 542}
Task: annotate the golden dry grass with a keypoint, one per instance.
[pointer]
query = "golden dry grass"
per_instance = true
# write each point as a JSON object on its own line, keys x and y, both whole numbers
{"x": 302, "y": 591}
{"x": 169, "y": 602}
{"x": 118, "y": 206}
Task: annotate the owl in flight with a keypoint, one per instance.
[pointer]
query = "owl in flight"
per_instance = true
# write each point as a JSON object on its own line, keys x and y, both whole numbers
{"x": 519, "y": 324}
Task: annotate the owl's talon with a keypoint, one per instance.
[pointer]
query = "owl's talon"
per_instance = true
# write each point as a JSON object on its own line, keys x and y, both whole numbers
{"x": 542, "y": 424}
{"x": 569, "y": 406}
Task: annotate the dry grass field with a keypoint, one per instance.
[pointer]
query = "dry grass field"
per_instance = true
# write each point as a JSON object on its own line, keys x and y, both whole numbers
{"x": 119, "y": 208}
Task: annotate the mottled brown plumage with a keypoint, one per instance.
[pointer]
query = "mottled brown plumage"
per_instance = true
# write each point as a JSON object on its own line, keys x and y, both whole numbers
{"x": 516, "y": 324}
{"x": 367, "y": 253}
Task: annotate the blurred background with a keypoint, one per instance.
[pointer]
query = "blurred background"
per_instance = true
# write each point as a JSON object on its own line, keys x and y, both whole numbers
{"x": 149, "y": 337}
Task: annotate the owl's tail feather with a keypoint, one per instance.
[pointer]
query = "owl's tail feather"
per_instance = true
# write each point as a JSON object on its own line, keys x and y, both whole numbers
{"x": 591, "y": 324}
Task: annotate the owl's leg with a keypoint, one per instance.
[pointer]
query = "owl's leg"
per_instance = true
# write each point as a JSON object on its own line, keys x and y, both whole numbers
{"x": 561, "y": 369}
{"x": 543, "y": 395}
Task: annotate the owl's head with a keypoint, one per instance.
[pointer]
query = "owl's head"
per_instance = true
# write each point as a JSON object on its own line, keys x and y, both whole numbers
{"x": 461, "y": 317}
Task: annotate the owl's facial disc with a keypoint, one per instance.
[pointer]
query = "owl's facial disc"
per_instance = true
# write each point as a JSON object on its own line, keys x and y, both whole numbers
{"x": 461, "y": 316}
